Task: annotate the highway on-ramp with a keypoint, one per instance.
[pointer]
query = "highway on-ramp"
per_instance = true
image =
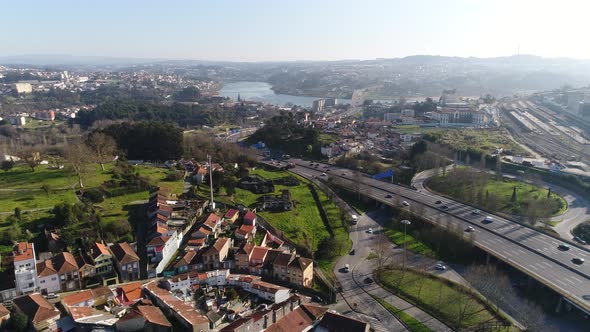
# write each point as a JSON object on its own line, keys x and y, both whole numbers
{"x": 524, "y": 248}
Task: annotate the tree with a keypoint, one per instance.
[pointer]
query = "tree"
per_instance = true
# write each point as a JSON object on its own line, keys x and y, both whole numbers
{"x": 7, "y": 165}
{"x": 188, "y": 94}
{"x": 103, "y": 146}
{"x": 77, "y": 156}
{"x": 46, "y": 188}
{"x": 19, "y": 322}
{"x": 30, "y": 156}
{"x": 17, "y": 212}
{"x": 513, "y": 198}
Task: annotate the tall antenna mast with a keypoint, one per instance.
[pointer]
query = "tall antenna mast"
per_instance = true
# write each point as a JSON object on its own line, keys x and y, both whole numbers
{"x": 212, "y": 204}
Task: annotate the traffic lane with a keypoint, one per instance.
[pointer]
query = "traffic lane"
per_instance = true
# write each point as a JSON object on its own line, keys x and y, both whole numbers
{"x": 520, "y": 258}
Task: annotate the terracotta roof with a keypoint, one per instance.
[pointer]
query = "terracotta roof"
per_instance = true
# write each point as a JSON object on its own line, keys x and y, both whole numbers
{"x": 186, "y": 275}
{"x": 124, "y": 253}
{"x": 246, "y": 248}
{"x": 99, "y": 249}
{"x": 301, "y": 263}
{"x": 204, "y": 230}
{"x": 212, "y": 217}
{"x": 283, "y": 259}
{"x": 153, "y": 315}
{"x": 186, "y": 259}
{"x": 65, "y": 263}
{"x": 202, "y": 171}
{"x": 267, "y": 287}
{"x": 259, "y": 253}
{"x": 231, "y": 213}
{"x": 185, "y": 311}
{"x": 299, "y": 319}
{"x": 196, "y": 242}
{"x": 249, "y": 216}
{"x": 81, "y": 312}
{"x": 161, "y": 228}
{"x": 336, "y": 322}
{"x": 45, "y": 268}
{"x": 3, "y": 310}
{"x": 23, "y": 251}
{"x": 77, "y": 298}
{"x": 129, "y": 293}
{"x": 36, "y": 307}
{"x": 158, "y": 241}
{"x": 271, "y": 256}
{"x": 219, "y": 244}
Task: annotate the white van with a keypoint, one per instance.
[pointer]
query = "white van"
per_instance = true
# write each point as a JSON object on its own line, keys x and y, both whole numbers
{"x": 354, "y": 219}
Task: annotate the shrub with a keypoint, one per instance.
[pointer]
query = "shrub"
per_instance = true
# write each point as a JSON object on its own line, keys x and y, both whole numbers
{"x": 95, "y": 195}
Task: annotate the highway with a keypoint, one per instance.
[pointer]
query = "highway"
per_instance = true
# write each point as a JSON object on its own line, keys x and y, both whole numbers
{"x": 524, "y": 248}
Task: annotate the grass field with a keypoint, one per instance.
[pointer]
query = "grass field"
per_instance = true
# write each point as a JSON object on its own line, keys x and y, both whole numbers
{"x": 502, "y": 189}
{"x": 410, "y": 242}
{"x": 413, "y": 324}
{"x": 157, "y": 175}
{"x": 446, "y": 301}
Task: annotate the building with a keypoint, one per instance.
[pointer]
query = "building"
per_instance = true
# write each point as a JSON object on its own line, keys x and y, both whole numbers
{"x": 318, "y": 105}
{"x": 44, "y": 115}
{"x": 333, "y": 322}
{"x": 67, "y": 268}
{"x": 250, "y": 218}
{"x": 146, "y": 318}
{"x": 242, "y": 256}
{"x": 4, "y": 314}
{"x": 300, "y": 319}
{"x": 25, "y": 267}
{"x": 301, "y": 272}
{"x": 392, "y": 116}
{"x": 103, "y": 263}
{"x": 128, "y": 294}
{"x": 126, "y": 261}
{"x": 214, "y": 256}
{"x": 231, "y": 215}
{"x": 48, "y": 278}
{"x": 22, "y": 87}
{"x": 42, "y": 314}
{"x": 88, "y": 298}
{"x": 459, "y": 115}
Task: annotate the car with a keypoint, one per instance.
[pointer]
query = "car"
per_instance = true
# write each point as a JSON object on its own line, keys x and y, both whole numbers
{"x": 404, "y": 203}
{"x": 346, "y": 268}
{"x": 580, "y": 240}
{"x": 578, "y": 260}
{"x": 563, "y": 247}
{"x": 323, "y": 174}
{"x": 370, "y": 231}
{"x": 368, "y": 280}
{"x": 488, "y": 220}
{"x": 310, "y": 164}
{"x": 343, "y": 174}
{"x": 440, "y": 267}
{"x": 352, "y": 252}
{"x": 316, "y": 166}
{"x": 438, "y": 202}
{"x": 476, "y": 211}
{"x": 469, "y": 229}
{"x": 444, "y": 207}
{"x": 388, "y": 196}
{"x": 51, "y": 296}
{"x": 327, "y": 169}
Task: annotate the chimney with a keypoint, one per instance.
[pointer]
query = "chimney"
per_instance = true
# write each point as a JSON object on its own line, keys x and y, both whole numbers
{"x": 274, "y": 316}
{"x": 265, "y": 321}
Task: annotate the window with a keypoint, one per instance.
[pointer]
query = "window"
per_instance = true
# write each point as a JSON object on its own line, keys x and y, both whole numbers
{"x": 31, "y": 284}
{"x": 62, "y": 277}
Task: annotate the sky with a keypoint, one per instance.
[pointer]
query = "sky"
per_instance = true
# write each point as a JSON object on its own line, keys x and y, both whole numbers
{"x": 287, "y": 30}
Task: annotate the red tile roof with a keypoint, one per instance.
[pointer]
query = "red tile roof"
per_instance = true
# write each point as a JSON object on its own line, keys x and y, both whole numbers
{"x": 65, "y": 263}
{"x": 23, "y": 251}
{"x": 129, "y": 293}
{"x": 196, "y": 242}
{"x": 186, "y": 311}
{"x": 158, "y": 241}
{"x": 45, "y": 268}
{"x": 259, "y": 253}
{"x": 99, "y": 249}
{"x": 36, "y": 307}
{"x": 299, "y": 319}
{"x": 336, "y": 322}
{"x": 231, "y": 213}
{"x": 3, "y": 311}
{"x": 124, "y": 253}
{"x": 249, "y": 217}
{"x": 77, "y": 298}
{"x": 153, "y": 315}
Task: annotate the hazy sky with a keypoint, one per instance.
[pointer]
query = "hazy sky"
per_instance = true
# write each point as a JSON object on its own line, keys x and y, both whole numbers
{"x": 252, "y": 30}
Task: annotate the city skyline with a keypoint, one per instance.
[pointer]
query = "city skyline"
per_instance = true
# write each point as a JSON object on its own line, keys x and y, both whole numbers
{"x": 266, "y": 31}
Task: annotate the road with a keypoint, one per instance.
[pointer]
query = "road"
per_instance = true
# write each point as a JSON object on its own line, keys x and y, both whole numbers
{"x": 524, "y": 248}
{"x": 578, "y": 210}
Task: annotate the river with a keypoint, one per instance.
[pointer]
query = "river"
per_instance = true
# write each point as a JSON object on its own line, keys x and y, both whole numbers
{"x": 261, "y": 91}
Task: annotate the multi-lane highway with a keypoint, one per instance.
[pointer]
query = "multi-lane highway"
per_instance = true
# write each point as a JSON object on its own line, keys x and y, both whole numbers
{"x": 524, "y": 248}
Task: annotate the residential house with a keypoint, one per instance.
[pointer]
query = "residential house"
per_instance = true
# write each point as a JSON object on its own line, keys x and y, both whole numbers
{"x": 146, "y": 318}
{"x": 155, "y": 248}
{"x": 231, "y": 215}
{"x": 301, "y": 272}
{"x": 195, "y": 244}
{"x": 102, "y": 258}
{"x": 201, "y": 233}
{"x": 47, "y": 277}
{"x": 242, "y": 256}
{"x": 85, "y": 265}
{"x": 213, "y": 223}
{"x": 332, "y": 321}
{"x": 184, "y": 313}
{"x": 67, "y": 268}
{"x": 214, "y": 256}
{"x": 281, "y": 265}
{"x": 126, "y": 261}
{"x": 42, "y": 314}
{"x": 88, "y": 298}
{"x": 183, "y": 264}
{"x": 184, "y": 281}
{"x": 271, "y": 241}
{"x": 4, "y": 314}
{"x": 245, "y": 232}
{"x": 25, "y": 267}
{"x": 128, "y": 294}
{"x": 250, "y": 218}
{"x": 257, "y": 259}
{"x": 201, "y": 175}
{"x": 300, "y": 319}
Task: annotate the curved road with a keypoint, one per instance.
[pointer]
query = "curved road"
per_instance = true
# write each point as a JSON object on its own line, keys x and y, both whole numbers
{"x": 526, "y": 249}
{"x": 578, "y": 207}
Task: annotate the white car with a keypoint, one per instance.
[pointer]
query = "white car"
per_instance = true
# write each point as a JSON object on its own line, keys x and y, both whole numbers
{"x": 323, "y": 174}
{"x": 469, "y": 229}
{"x": 370, "y": 231}
{"x": 404, "y": 203}
{"x": 476, "y": 211}
{"x": 440, "y": 267}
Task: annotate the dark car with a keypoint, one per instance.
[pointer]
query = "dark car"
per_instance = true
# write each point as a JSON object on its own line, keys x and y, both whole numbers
{"x": 563, "y": 247}
{"x": 388, "y": 196}
{"x": 580, "y": 240}
{"x": 343, "y": 174}
{"x": 437, "y": 202}
{"x": 353, "y": 251}
{"x": 368, "y": 280}
{"x": 578, "y": 260}
{"x": 444, "y": 207}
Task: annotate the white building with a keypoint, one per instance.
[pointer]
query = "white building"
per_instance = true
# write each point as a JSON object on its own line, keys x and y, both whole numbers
{"x": 23, "y": 87}
{"x": 169, "y": 250}
{"x": 392, "y": 116}
{"x": 25, "y": 267}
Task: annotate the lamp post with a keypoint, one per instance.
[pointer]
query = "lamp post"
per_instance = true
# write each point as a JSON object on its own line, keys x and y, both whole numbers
{"x": 406, "y": 223}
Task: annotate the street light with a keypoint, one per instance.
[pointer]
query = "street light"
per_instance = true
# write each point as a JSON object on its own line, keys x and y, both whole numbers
{"x": 406, "y": 223}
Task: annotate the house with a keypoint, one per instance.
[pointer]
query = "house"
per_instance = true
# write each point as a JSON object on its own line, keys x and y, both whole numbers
{"x": 200, "y": 175}
{"x": 184, "y": 313}
{"x": 102, "y": 258}
{"x": 256, "y": 184}
{"x": 231, "y": 215}
{"x": 214, "y": 318}
{"x": 155, "y": 248}
{"x": 300, "y": 319}
{"x": 250, "y": 218}
{"x": 333, "y": 322}
{"x": 144, "y": 318}
{"x": 281, "y": 265}
{"x": 88, "y": 298}
{"x": 271, "y": 241}
{"x": 184, "y": 281}
{"x": 201, "y": 233}
{"x": 25, "y": 267}
{"x": 4, "y": 314}
{"x": 212, "y": 223}
{"x": 242, "y": 256}
{"x": 301, "y": 272}
{"x": 47, "y": 277}
{"x": 280, "y": 202}
{"x": 183, "y": 264}
{"x": 67, "y": 268}
{"x": 128, "y": 294}
{"x": 42, "y": 314}
{"x": 196, "y": 244}
{"x": 257, "y": 259}
{"x": 85, "y": 265}
{"x": 262, "y": 319}
{"x": 126, "y": 261}
{"x": 214, "y": 256}
{"x": 270, "y": 292}
{"x": 245, "y": 232}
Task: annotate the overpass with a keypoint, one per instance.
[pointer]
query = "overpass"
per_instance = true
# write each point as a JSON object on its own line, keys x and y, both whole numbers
{"x": 524, "y": 248}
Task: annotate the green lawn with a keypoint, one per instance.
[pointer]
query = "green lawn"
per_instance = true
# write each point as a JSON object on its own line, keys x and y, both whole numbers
{"x": 410, "y": 242}
{"x": 26, "y": 200}
{"x": 449, "y": 302}
{"x": 454, "y": 184}
{"x": 157, "y": 175}
{"x": 21, "y": 177}
{"x": 411, "y": 322}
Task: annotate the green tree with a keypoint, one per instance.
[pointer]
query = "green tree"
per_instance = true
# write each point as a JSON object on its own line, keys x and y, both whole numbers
{"x": 17, "y": 213}
{"x": 19, "y": 322}
{"x": 7, "y": 165}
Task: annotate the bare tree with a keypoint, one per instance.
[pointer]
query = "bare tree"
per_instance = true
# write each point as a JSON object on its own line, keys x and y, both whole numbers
{"x": 103, "y": 147}
{"x": 30, "y": 155}
{"x": 77, "y": 156}
{"x": 382, "y": 251}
